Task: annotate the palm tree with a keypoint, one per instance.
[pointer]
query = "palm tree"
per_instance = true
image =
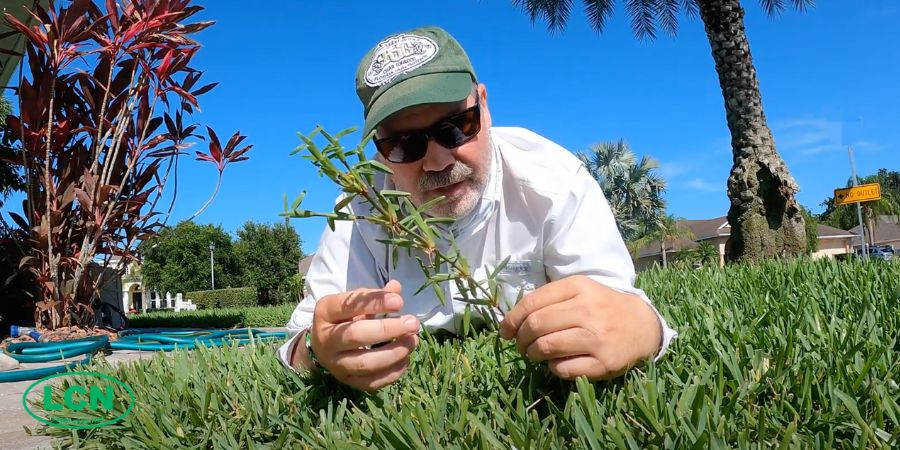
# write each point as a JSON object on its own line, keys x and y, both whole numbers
{"x": 667, "y": 231}
{"x": 764, "y": 215}
{"x": 632, "y": 187}
{"x": 706, "y": 253}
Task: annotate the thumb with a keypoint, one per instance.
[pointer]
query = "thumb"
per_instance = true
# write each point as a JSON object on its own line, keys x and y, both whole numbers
{"x": 393, "y": 286}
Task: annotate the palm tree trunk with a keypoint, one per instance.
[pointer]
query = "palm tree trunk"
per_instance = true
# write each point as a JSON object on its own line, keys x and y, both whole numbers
{"x": 662, "y": 246}
{"x": 764, "y": 216}
{"x": 870, "y": 228}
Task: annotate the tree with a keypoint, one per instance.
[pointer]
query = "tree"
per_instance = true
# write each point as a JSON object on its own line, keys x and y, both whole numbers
{"x": 177, "y": 260}
{"x": 633, "y": 188}
{"x": 10, "y": 179}
{"x": 667, "y": 231}
{"x": 706, "y": 254}
{"x": 765, "y": 217}
{"x": 269, "y": 255}
{"x": 812, "y": 230}
{"x": 102, "y": 95}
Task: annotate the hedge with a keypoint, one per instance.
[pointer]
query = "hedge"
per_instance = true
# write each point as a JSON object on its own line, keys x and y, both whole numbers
{"x": 786, "y": 354}
{"x": 224, "y": 298}
{"x": 256, "y": 316}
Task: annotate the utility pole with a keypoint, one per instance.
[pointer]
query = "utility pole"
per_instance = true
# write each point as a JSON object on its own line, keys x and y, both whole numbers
{"x": 862, "y": 227}
{"x": 212, "y": 265}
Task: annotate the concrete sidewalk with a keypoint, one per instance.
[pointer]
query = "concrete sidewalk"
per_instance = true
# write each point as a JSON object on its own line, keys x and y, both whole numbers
{"x": 12, "y": 431}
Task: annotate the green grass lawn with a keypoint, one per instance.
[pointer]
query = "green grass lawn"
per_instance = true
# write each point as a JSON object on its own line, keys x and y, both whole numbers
{"x": 790, "y": 355}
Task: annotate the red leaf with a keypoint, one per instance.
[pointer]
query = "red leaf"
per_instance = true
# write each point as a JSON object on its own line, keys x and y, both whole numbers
{"x": 18, "y": 25}
{"x": 162, "y": 70}
{"x": 204, "y": 89}
{"x": 19, "y": 220}
{"x": 185, "y": 95}
{"x": 215, "y": 147}
{"x": 113, "y": 10}
{"x": 205, "y": 157}
{"x": 238, "y": 155}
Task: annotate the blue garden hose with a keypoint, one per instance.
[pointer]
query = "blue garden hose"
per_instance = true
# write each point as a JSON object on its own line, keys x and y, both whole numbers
{"x": 132, "y": 339}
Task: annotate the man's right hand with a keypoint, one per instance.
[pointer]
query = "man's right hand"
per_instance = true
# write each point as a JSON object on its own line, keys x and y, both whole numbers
{"x": 344, "y": 329}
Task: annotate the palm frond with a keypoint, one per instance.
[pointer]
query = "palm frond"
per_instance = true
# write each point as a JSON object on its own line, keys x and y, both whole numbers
{"x": 667, "y": 14}
{"x": 772, "y": 7}
{"x": 803, "y": 5}
{"x": 555, "y": 12}
{"x": 598, "y": 11}
{"x": 691, "y": 8}
{"x": 642, "y": 14}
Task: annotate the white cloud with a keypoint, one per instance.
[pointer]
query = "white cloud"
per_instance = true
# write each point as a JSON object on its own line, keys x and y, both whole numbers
{"x": 808, "y": 137}
{"x": 812, "y": 137}
{"x": 670, "y": 170}
{"x": 705, "y": 186}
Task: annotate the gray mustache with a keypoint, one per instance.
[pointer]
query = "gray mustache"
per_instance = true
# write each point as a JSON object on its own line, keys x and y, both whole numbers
{"x": 454, "y": 174}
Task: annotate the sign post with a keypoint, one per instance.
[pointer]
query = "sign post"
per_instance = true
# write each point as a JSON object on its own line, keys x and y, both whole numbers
{"x": 858, "y": 194}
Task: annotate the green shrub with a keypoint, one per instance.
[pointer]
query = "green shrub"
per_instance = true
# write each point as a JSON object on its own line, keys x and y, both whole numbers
{"x": 224, "y": 298}
{"x": 791, "y": 355}
{"x": 256, "y": 316}
{"x": 291, "y": 289}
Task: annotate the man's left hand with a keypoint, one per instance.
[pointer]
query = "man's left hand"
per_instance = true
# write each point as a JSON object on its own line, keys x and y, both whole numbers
{"x": 581, "y": 327}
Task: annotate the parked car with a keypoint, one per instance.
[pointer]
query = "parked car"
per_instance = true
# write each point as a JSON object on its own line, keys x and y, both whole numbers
{"x": 882, "y": 252}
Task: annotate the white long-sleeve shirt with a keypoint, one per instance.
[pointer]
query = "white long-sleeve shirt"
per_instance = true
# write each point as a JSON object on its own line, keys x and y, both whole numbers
{"x": 541, "y": 208}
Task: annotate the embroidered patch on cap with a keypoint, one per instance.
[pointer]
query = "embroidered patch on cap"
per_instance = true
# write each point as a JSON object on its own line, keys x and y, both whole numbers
{"x": 398, "y": 55}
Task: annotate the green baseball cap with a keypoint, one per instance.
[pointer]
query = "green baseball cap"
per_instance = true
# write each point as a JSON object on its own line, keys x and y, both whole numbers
{"x": 416, "y": 67}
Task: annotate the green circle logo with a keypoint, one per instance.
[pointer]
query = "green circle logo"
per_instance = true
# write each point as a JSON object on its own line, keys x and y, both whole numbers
{"x": 88, "y": 400}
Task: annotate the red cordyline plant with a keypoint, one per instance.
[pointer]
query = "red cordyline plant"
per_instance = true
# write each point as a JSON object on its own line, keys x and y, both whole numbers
{"x": 103, "y": 92}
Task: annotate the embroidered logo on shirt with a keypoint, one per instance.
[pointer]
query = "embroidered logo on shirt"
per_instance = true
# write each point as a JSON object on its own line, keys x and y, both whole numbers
{"x": 398, "y": 55}
{"x": 518, "y": 267}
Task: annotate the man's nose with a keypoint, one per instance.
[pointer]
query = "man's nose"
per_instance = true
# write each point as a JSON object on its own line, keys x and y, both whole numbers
{"x": 437, "y": 158}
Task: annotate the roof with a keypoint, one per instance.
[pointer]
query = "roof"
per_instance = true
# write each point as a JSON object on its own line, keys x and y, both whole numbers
{"x": 705, "y": 229}
{"x": 14, "y": 42}
{"x": 827, "y": 232}
{"x": 304, "y": 264}
{"x": 887, "y": 229}
{"x": 652, "y": 249}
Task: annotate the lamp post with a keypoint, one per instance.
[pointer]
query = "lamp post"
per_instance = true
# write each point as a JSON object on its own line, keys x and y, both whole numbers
{"x": 212, "y": 265}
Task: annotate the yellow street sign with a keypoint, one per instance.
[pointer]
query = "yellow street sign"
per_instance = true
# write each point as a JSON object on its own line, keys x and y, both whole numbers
{"x": 861, "y": 193}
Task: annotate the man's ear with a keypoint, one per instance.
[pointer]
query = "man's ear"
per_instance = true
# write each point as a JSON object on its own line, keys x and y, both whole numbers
{"x": 485, "y": 111}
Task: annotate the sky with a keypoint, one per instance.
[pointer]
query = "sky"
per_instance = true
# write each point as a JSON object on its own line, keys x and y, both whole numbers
{"x": 828, "y": 76}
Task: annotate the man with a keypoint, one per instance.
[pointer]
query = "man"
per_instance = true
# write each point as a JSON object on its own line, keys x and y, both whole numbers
{"x": 512, "y": 193}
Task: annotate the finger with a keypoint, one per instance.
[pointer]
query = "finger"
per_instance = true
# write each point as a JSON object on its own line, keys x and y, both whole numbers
{"x": 366, "y": 332}
{"x": 344, "y": 307}
{"x": 379, "y": 380}
{"x": 570, "y": 342}
{"x": 572, "y": 367}
{"x": 374, "y": 361}
{"x": 546, "y": 295}
{"x": 393, "y": 286}
{"x": 553, "y": 318}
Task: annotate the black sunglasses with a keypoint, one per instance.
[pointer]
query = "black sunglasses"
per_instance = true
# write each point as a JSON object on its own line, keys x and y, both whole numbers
{"x": 451, "y": 132}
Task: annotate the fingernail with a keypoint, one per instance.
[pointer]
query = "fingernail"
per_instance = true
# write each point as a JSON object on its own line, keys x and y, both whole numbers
{"x": 411, "y": 323}
{"x": 393, "y": 301}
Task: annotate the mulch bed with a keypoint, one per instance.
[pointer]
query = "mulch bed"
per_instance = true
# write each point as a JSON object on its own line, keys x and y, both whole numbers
{"x": 64, "y": 334}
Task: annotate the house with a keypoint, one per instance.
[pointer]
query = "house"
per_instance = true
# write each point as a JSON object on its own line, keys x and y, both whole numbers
{"x": 886, "y": 232}
{"x": 717, "y": 231}
{"x": 135, "y": 295}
